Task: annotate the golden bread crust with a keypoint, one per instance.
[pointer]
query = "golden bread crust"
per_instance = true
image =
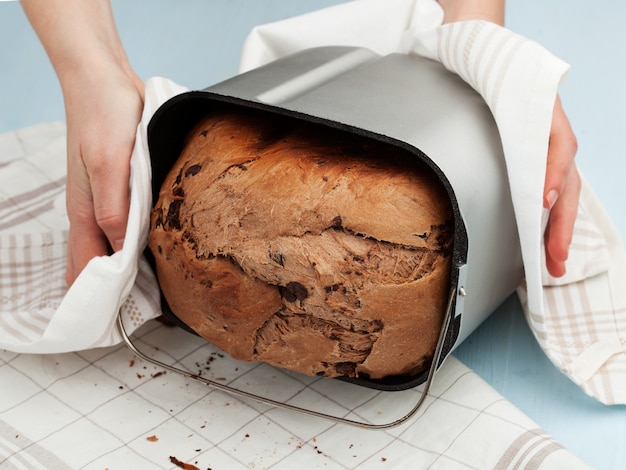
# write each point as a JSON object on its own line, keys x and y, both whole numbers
{"x": 304, "y": 247}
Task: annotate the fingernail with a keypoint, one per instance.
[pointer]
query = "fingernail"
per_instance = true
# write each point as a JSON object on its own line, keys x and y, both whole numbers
{"x": 118, "y": 244}
{"x": 551, "y": 197}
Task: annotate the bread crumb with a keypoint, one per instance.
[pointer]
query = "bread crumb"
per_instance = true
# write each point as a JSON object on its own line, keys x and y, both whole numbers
{"x": 183, "y": 465}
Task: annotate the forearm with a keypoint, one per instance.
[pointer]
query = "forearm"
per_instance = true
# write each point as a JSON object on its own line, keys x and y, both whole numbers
{"x": 461, "y": 10}
{"x": 79, "y": 36}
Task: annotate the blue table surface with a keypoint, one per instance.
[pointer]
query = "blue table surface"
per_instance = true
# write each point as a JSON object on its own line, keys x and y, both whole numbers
{"x": 191, "y": 42}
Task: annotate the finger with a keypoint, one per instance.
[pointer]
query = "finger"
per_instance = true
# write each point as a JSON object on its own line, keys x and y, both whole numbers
{"x": 562, "y": 150}
{"x": 85, "y": 239}
{"x": 110, "y": 192}
{"x": 99, "y": 215}
{"x": 559, "y": 232}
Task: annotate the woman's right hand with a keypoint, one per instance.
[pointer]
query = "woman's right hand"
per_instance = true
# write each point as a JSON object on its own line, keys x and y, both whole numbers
{"x": 103, "y": 108}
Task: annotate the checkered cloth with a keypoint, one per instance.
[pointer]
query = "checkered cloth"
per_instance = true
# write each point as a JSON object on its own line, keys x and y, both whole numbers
{"x": 105, "y": 408}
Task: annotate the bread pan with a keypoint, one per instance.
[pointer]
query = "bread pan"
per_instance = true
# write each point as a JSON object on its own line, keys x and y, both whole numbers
{"x": 407, "y": 101}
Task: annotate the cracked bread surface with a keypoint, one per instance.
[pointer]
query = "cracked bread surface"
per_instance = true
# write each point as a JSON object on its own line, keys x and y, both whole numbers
{"x": 304, "y": 247}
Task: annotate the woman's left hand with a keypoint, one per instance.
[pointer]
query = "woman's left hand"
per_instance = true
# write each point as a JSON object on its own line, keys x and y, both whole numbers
{"x": 561, "y": 191}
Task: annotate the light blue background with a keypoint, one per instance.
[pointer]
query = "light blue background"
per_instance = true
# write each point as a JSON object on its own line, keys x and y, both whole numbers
{"x": 197, "y": 43}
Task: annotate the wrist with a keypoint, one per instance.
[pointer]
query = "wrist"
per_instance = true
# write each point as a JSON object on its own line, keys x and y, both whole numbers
{"x": 81, "y": 40}
{"x": 465, "y": 10}
{"x": 94, "y": 66}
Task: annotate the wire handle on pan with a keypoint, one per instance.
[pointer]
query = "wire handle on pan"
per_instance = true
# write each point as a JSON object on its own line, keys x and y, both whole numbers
{"x": 279, "y": 404}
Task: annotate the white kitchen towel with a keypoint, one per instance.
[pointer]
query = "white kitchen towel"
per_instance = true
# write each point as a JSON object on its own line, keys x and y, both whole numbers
{"x": 580, "y": 319}
{"x": 38, "y": 314}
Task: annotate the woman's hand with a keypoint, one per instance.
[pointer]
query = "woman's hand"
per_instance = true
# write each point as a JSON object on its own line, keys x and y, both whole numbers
{"x": 103, "y": 111}
{"x": 561, "y": 191}
{"x": 562, "y": 182}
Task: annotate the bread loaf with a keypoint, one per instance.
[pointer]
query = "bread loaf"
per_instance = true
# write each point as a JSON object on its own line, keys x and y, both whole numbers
{"x": 308, "y": 248}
